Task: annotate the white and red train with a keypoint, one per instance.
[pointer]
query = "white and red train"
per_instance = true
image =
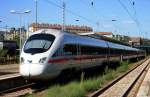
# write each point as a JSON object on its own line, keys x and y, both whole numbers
{"x": 47, "y": 53}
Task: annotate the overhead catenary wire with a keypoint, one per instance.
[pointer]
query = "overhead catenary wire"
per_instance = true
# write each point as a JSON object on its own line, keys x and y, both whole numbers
{"x": 132, "y": 4}
{"x": 71, "y": 12}
{"x": 125, "y": 8}
{"x": 92, "y": 5}
{"x": 135, "y": 14}
{"x": 134, "y": 19}
{"x": 95, "y": 12}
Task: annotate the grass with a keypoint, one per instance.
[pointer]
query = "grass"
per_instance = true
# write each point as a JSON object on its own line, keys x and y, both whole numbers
{"x": 27, "y": 95}
{"x": 124, "y": 66}
{"x": 72, "y": 89}
{"x": 82, "y": 87}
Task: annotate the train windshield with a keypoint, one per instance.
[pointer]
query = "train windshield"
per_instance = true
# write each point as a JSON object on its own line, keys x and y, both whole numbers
{"x": 38, "y": 43}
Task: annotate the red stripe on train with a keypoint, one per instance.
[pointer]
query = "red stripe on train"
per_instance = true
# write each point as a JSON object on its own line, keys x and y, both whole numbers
{"x": 57, "y": 60}
{"x": 81, "y": 58}
{"x": 75, "y": 58}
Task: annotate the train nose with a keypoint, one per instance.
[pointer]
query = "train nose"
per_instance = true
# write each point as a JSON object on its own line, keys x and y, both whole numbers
{"x": 31, "y": 70}
{"x": 24, "y": 70}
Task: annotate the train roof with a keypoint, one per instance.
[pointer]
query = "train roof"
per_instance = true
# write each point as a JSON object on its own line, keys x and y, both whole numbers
{"x": 88, "y": 41}
{"x": 83, "y": 40}
{"x": 47, "y": 31}
{"x": 72, "y": 38}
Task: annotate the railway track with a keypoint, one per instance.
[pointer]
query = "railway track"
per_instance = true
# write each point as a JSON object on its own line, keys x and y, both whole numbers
{"x": 8, "y": 82}
{"x": 127, "y": 85}
{"x": 17, "y": 91}
{"x": 25, "y": 89}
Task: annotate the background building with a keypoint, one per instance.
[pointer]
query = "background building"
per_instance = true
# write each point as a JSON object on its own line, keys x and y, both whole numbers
{"x": 71, "y": 28}
{"x": 107, "y": 34}
{"x": 2, "y": 35}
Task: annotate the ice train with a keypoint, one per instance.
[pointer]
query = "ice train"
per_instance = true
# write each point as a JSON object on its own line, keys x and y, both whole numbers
{"x": 47, "y": 53}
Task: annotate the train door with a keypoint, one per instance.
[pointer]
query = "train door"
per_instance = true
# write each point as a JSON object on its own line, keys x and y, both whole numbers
{"x": 108, "y": 53}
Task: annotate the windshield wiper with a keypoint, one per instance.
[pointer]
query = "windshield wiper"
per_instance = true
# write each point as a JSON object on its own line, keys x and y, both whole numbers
{"x": 44, "y": 45}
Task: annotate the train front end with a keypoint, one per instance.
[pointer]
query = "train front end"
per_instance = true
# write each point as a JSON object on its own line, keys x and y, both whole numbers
{"x": 34, "y": 56}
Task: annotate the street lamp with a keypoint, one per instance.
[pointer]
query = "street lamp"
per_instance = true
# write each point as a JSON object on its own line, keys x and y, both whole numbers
{"x": 20, "y": 15}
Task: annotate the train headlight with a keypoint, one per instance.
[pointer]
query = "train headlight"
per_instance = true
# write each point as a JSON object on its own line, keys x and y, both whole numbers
{"x": 22, "y": 60}
{"x": 42, "y": 60}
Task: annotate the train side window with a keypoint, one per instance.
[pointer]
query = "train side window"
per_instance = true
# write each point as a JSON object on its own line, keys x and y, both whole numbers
{"x": 102, "y": 51}
{"x": 59, "y": 52}
{"x": 89, "y": 50}
{"x": 85, "y": 50}
{"x": 70, "y": 49}
{"x": 111, "y": 51}
{"x": 117, "y": 51}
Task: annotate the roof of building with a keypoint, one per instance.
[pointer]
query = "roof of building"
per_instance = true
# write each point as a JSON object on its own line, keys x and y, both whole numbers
{"x": 135, "y": 39}
{"x": 104, "y": 33}
{"x": 59, "y": 27}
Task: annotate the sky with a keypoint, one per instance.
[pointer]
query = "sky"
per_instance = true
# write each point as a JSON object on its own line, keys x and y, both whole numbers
{"x": 126, "y": 17}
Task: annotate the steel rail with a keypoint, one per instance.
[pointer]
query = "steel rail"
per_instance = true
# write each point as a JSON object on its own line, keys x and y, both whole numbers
{"x": 100, "y": 91}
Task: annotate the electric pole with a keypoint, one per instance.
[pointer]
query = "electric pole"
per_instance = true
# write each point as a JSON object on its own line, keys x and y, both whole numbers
{"x": 64, "y": 17}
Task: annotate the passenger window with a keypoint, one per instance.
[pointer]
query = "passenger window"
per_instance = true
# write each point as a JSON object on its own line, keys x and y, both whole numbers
{"x": 70, "y": 49}
{"x": 89, "y": 50}
{"x": 85, "y": 50}
{"x": 59, "y": 52}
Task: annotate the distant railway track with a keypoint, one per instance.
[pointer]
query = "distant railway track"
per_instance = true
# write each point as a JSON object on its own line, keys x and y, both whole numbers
{"x": 125, "y": 85}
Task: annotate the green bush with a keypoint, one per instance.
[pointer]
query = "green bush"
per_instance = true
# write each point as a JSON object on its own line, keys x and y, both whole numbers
{"x": 92, "y": 84}
{"x": 3, "y": 53}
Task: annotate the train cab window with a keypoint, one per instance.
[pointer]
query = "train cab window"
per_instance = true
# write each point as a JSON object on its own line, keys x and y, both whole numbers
{"x": 38, "y": 43}
{"x": 70, "y": 49}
